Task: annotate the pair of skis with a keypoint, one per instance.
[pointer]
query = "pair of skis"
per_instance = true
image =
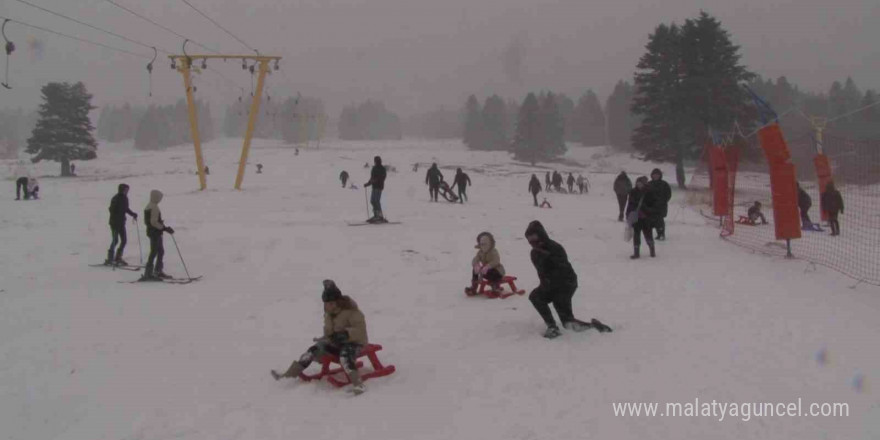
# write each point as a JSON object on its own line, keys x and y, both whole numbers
{"x": 134, "y": 268}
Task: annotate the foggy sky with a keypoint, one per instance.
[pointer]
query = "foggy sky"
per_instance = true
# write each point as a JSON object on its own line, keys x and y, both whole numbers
{"x": 416, "y": 55}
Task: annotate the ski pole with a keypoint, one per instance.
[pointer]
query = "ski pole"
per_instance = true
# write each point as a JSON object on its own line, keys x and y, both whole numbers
{"x": 366, "y": 203}
{"x": 181, "y": 257}
{"x": 138, "y": 233}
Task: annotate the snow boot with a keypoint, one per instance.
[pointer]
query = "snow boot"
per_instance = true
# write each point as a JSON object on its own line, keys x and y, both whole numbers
{"x": 577, "y": 325}
{"x": 651, "y": 247}
{"x": 293, "y": 372}
{"x": 635, "y": 254}
{"x": 599, "y": 326}
{"x": 472, "y": 290}
{"x": 552, "y": 332}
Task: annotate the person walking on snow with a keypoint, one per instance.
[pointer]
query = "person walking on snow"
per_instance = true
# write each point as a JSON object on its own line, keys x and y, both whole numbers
{"x": 155, "y": 228}
{"x": 118, "y": 209}
{"x": 433, "y": 178}
{"x": 570, "y": 182}
{"x": 535, "y": 188}
{"x": 804, "y": 204}
{"x": 343, "y": 176}
{"x": 462, "y": 180}
{"x": 548, "y": 184}
{"x": 377, "y": 181}
{"x": 622, "y": 188}
{"x": 558, "y": 281}
{"x": 642, "y": 214}
{"x": 662, "y": 194}
{"x": 832, "y": 201}
{"x": 486, "y": 264}
{"x": 345, "y": 334}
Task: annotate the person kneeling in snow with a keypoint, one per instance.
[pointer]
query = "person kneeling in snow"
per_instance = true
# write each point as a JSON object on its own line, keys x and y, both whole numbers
{"x": 486, "y": 264}
{"x": 345, "y": 333}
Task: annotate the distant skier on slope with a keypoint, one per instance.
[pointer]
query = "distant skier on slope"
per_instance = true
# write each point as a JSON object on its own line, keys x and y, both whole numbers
{"x": 377, "y": 182}
{"x": 118, "y": 209}
{"x": 343, "y": 176}
{"x": 345, "y": 334}
{"x": 155, "y": 228}
{"x": 461, "y": 180}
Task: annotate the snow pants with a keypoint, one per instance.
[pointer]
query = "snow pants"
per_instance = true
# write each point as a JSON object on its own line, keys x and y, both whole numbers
{"x": 560, "y": 296}
{"x": 120, "y": 236}
{"x": 376, "y": 202}
{"x": 157, "y": 254}
{"x": 621, "y": 202}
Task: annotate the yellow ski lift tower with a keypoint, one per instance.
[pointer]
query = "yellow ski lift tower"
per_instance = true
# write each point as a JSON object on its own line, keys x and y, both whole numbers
{"x": 184, "y": 65}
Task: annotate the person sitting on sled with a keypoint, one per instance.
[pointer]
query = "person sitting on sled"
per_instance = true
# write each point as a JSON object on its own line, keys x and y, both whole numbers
{"x": 486, "y": 264}
{"x": 345, "y": 334}
{"x": 755, "y": 214}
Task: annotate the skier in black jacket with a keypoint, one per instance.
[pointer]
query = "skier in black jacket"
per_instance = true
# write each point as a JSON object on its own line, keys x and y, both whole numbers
{"x": 622, "y": 187}
{"x": 462, "y": 180}
{"x": 377, "y": 181}
{"x": 643, "y": 204}
{"x": 558, "y": 281}
{"x": 118, "y": 209}
{"x": 662, "y": 194}
{"x": 433, "y": 178}
{"x": 535, "y": 187}
{"x": 343, "y": 176}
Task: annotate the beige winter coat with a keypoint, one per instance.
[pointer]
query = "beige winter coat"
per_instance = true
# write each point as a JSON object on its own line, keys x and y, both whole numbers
{"x": 349, "y": 319}
{"x": 491, "y": 258}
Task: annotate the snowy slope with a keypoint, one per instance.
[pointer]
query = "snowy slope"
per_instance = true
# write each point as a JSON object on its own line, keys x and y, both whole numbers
{"x": 84, "y": 357}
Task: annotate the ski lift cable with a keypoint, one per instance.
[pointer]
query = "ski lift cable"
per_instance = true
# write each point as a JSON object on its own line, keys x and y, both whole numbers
{"x": 83, "y": 40}
{"x": 218, "y": 25}
{"x": 91, "y": 26}
{"x": 160, "y": 26}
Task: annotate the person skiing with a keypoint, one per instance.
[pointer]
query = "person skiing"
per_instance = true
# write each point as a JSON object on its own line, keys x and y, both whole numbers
{"x": 73, "y": 170}
{"x": 259, "y": 168}
{"x": 548, "y": 184}
{"x": 832, "y": 201}
{"x": 754, "y": 213}
{"x": 377, "y": 181}
{"x": 535, "y": 188}
{"x": 486, "y": 264}
{"x": 804, "y": 203}
{"x": 461, "y": 180}
{"x": 155, "y": 228}
{"x": 641, "y": 214}
{"x": 558, "y": 281}
{"x": 622, "y": 188}
{"x": 343, "y": 176}
{"x": 663, "y": 193}
{"x": 570, "y": 182}
{"x": 118, "y": 209}
{"x": 21, "y": 184}
{"x": 432, "y": 179}
{"x": 345, "y": 334}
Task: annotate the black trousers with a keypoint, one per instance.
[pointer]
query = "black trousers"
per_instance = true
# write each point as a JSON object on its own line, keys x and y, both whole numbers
{"x": 21, "y": 184}
{"x": 462, "y": 193}
{"x": 644, "y": 227}
{"x": 535, "y": 196}
{"x": 157, "y": 253}
{"x": 344, "y": 181}
{"x": 120, "y": 236}
{"x": 434, "y": 192}
{"x": 832, "y": 221}
{"x": 559, "y": 296}
{"x": 492, "y": 276}
{"x": 621, "y": 202}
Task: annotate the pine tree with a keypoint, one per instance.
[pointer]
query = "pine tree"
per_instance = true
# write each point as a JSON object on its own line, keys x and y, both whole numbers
{"x": 472, "y": 136}
{"x": 64, "y": 131}
{"x": 494, "y": 120}
{"x": 552, "y": 127}
{"x": 527, "y": 140}
{"x": 566, "y": 111}
{"x": 589, "y": 121}
{"x": 621, "y": 122}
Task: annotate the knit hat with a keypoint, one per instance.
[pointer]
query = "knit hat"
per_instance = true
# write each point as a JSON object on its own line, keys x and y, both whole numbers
{"x": 642, "y": 179}
{"x": 331, "y": 292}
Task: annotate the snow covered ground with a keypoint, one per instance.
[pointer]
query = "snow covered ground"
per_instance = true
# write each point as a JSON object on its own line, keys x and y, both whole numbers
{"x": 85, "y": 357}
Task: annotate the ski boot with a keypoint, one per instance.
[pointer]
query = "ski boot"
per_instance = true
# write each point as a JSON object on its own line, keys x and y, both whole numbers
{"x": 552, "y": 332}
{"x": 120, "y": 262}
{"x": 163, "y": 276}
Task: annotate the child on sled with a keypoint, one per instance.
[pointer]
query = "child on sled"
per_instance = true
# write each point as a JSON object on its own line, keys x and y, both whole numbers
{"x": 486, "y": 264}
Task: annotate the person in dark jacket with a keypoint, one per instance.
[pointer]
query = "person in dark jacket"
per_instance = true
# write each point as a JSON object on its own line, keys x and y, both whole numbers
{"x": 345, "y": 334}
{"x": 832, "y": 201}
{"x": 548, "y": 184}
{"x": 118, "y": 209}
{"x": 755, "y": 214}
{"x": 570, "y": 182}
{"x": 804, "y": 204}
{"x": 461, "y": 180}
{"x": 662, "y": 194}
{"x": 558, "y": 281}
{"x": 535, "y": 188}
{"x": 377, "y": 181}
{"x": 259, "y": 168}
{"x": 642, "y": 213}
{"x": 433, "y": 178}
{"x": 622, "y": 188}
{"x": 343, "y": 176}
{"x": 557, "y": 181}
{"x": 21, "y": 184}
{"x": 155, "y": 228}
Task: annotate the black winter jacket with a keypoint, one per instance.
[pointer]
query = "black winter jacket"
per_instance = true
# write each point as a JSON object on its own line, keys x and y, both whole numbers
{"x": 550, "y": 259}
{"x": 377, "y": 177}
{"x": 622, "y": 185}
{"x": 118, "y": 208}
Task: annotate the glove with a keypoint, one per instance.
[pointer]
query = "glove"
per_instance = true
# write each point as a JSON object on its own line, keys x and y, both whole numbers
{"x": 339, "y": 337}
{"x": 169, "y": 229}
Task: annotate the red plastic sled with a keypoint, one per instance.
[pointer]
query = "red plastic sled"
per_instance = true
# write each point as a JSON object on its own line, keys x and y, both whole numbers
{"x": 486, "y": 290}
{"x": 743, "y": 220}
{"x": 329, "y": 372}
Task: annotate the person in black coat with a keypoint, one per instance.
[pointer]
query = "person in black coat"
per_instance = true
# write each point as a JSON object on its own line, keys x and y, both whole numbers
{"x": 804, "y": 204}
{"x": 662, "y": 193}
{"x": 535, "y": 187}
{"x": 755, "y": 214}
{"x": 118, "y": 209}
{"x": 343, "y": 176}
{"x": 377, "y": 181}
{"x": 21, "y": 184}
{"x": 832, "y": 201}
{"x": 558, "y": 281}
{"x": 433, "y": 178}
{"x": 462, "y": 180}
{"x": 622, "y": 187}
{"x": 642, "y": 213}
{"x": 548, "y": 184}
{"x": 570, "y": 181}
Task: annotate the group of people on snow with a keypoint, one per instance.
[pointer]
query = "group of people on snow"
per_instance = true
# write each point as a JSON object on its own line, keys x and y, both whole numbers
{"x": 29, "y": 186}
{"x": 553, "y": 182}
{"x": 832, "y": 204}
{"x": 155, "y": 226}
{"x": 644, "y": 206}
{"x": 438, "y": 186}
